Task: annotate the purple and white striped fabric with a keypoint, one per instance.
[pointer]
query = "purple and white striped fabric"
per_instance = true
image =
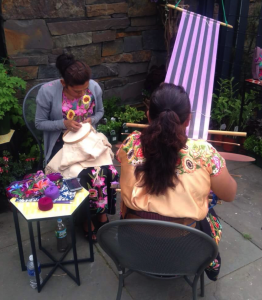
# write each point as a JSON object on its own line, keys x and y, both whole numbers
{"x": 192, "y": 66}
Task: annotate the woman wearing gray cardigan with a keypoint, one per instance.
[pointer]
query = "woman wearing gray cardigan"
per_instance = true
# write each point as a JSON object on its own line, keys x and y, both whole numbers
{"x": 64, "y": 103}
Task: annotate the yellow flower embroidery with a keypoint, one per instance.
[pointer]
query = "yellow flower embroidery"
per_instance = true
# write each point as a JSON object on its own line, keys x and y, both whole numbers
{"x": 70, "y": 115}
{"x": 86, "y": 99}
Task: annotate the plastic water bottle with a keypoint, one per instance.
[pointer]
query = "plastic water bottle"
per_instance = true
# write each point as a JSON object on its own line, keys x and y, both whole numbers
{"x": 31, "y": 272}
{"x": 61, "y": 236}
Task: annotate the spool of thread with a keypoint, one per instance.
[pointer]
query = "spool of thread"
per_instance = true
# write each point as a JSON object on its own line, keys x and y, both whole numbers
{"x": 45, "y": 203}
{"x": 52, "y": 192}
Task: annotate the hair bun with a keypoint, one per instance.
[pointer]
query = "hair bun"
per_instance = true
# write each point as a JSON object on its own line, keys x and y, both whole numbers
{"x": 63, "y": 61}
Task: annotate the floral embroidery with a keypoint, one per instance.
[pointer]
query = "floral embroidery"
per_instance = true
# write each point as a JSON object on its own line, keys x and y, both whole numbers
{"x": 215, "y": 226}
{"x": 100, "y": 196}
{"x": 70, "y": 115}
{"x": 195, "y": 155}
{"x": 86, "y": 99}
{"x": 78, "y": 109}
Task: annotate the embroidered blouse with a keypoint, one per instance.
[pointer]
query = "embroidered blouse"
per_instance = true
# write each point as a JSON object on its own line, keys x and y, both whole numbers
{"x": 78, "y": 109}
{"x": 198, "y": 161}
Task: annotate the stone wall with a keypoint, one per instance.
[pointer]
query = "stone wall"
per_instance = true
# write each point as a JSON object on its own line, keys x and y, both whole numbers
{"x": 119, "y": 39}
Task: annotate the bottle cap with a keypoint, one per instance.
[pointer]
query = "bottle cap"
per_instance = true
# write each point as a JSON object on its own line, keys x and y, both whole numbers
{"x": 59, "y": 220}
{"x": 31, "y": 258}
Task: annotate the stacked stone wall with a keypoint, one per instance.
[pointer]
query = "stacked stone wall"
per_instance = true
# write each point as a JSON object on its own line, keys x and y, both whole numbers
{"x": 119, "y": 39}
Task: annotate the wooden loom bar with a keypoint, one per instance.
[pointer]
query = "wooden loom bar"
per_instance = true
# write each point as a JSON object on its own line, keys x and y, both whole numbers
{"x": 219, "y": 142}
{"x": 216, "y": 132}
{"x": 181, "y": 9}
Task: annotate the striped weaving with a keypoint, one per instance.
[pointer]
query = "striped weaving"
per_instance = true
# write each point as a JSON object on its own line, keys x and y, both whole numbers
{"x": 192, "y": 66}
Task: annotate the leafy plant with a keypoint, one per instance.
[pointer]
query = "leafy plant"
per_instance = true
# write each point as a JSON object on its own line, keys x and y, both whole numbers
{"x": 108, "y": 127}
{"x": 11, "y": 170}
{"x": 9, "y": 86}
{"x": 103, "y": 128}
{"x": 227, "y": 104}
{"x": 130, "y": 115}
{"x": 254, "y": 144}
{"x": 111, "y": 107}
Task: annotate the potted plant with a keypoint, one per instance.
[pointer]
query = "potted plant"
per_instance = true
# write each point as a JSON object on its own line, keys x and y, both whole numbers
{"x": 253, "y": 144}
{"x": 226, "y": 109}
{"x": 11, "y": 170}
{"x": 131, "y": 115}
{"x": 103, "y": 128}
{"x": 114, "y": 127}
{"x": 9, "y": 86}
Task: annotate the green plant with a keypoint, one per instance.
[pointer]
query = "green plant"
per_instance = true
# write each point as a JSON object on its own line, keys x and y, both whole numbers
{"x": 11, "y": 170}
{"x": 254, "y": 144}
{"x": 103, "y": 129}
{"x": 111, "y": 107}
{"x": 114, "y": 125}
{"x": 247, "y": 236}
{"x": 108, "y": 127}
{"x": 227, "y": 104}
{"x": 9, "y": 86}
{"x": 130, "y": 115}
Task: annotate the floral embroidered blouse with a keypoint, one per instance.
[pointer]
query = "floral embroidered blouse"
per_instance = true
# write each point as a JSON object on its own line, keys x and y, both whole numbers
{"x": 78, "y": 109}
{"x": 198, "y": 161}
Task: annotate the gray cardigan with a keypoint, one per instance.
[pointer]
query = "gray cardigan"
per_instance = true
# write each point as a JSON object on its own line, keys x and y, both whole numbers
{"x": 49, "y": 116}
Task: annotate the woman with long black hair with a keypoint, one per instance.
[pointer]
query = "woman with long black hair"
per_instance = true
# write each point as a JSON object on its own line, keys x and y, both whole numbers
{"x": 166, "y": 176}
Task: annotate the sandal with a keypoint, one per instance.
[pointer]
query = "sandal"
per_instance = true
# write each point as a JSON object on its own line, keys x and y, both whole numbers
{"x": 94, "y": 239}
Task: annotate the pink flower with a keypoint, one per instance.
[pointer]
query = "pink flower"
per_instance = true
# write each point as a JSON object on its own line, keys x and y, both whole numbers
{"x": 5, "y": 158}
{"x": 98, "y": 182}
{"x": 216, "y": 161}
{"x": 66, "y": 106}
{"x": 102, "y": 202}
{"x": 80, "y": 111}
{"x": 93, "y": 193}
{"x": 113, "y": 169}
{"x": 1, "y": 170}
{"x": 93, "y": 172}
{"x": 105, "y": 190}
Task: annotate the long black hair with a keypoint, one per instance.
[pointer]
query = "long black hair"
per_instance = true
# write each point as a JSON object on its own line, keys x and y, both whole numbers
{"x": 162, "y": 140}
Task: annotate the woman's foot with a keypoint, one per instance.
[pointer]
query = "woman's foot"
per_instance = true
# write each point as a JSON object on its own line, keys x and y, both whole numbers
{"x": 93, "y": 232}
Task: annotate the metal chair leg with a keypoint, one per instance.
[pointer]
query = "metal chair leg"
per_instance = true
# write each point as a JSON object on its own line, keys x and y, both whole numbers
{"x": 202, "y": 284}
{"x": 120, "y": 285}
{"x": 194, "y": 287}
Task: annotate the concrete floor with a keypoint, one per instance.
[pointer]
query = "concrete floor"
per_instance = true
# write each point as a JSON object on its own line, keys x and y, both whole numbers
{"x": 240, "y": 277}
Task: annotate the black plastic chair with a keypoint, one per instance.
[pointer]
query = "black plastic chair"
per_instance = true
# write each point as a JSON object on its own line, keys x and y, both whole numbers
{"x": 158, "y": 249}
{"x": 29, "y": 110}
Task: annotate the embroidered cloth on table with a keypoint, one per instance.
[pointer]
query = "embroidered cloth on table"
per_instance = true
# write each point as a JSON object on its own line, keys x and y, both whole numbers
{"x": 65, "y": 197}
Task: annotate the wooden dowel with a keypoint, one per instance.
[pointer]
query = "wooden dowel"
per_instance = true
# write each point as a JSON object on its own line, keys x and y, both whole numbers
{"x": 231, "y": 133}
{"x": 227, "y": 143}
{"x": 216, "y": 132}
{"x": 181, "y": 9}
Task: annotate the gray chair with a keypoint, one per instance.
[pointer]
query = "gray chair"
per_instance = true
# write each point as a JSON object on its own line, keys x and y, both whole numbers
{"x": 29, "y": 110}
{"x": 158, "y": 249}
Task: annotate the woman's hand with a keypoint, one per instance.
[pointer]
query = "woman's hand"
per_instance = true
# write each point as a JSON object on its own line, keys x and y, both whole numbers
{"x": 72, "y": 125}
{"x": 88, "y": 120}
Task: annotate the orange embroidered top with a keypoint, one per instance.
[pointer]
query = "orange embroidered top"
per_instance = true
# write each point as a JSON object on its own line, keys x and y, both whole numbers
{"x": 197, "y": 163}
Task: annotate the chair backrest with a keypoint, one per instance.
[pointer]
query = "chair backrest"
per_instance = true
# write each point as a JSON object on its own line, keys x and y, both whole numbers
{"x": 29, "y": 110}
{"x": 157, "y": 247}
